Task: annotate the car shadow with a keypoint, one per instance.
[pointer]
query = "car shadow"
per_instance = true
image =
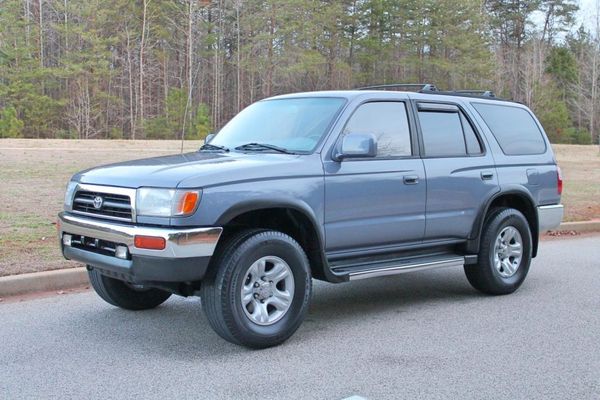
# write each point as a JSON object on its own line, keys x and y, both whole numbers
{"x": 179, "y": 329}
{"x": 398, "y": 293}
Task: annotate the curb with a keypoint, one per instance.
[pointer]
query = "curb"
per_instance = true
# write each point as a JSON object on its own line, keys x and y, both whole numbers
{"x": 63, "y": 279}
{"x": 47, "y": 281}
{"x": 580, "y": 226}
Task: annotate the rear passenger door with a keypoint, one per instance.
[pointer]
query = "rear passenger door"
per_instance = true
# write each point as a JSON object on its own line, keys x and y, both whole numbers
{"x": 460, "y": 172}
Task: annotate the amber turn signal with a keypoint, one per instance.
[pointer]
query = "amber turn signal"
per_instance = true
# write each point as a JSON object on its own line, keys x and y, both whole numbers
{"x": 188, "y": 203}
{"x": 149, "y": 242}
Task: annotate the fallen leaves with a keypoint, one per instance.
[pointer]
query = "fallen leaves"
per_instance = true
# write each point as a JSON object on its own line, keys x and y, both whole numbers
{"x": 563, "y": 233}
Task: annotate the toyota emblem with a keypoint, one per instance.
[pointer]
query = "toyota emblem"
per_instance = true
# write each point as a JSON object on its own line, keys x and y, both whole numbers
{"x": 98, "y": 202}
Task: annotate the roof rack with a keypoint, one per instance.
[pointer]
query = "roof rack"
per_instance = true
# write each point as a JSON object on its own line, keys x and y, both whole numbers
{"x": 432, "y": 89}
{"x": 422, "y": 87}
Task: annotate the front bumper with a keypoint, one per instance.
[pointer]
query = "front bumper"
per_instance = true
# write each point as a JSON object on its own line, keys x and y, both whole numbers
{"x": 185, "y": 256}
{"x": 549, "y": 217}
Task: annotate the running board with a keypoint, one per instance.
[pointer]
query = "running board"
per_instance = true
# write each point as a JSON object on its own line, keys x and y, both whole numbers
{"x": 365, "y": 271}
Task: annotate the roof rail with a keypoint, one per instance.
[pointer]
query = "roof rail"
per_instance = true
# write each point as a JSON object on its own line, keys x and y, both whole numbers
{"x": 422, "y": 87}
{"x": 483, "y": 93}
{"x": 432, "y": 89}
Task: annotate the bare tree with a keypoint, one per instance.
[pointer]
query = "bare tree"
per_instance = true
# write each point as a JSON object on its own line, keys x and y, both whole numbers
{"x": 141, "y": 66}
{"x": 595, "y": 78}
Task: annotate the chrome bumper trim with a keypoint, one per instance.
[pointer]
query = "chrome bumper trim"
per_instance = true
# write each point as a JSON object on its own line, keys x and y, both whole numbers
{"x": 549, "y": 217}
{"x": 180, "y": 243}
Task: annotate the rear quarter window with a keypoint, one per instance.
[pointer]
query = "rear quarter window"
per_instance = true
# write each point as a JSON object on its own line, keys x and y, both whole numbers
{"x": 514, "y": 128}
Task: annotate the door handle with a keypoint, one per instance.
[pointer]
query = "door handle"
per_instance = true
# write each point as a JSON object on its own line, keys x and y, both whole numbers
{"x": 487, "y": 175}
{"x": 411, "y": 179}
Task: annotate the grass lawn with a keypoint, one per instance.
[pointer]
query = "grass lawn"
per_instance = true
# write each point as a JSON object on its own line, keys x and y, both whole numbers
{"x": 33, "y": 175}
{"x": 580, "y": 167}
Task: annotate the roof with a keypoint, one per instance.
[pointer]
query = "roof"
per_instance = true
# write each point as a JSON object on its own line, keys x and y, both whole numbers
{"x": 398, "y": 94}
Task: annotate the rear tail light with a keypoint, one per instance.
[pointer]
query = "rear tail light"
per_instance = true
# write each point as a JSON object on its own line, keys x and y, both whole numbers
{"x": 559, "y": 180}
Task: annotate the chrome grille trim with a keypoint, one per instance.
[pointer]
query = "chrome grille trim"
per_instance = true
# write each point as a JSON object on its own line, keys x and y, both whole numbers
{"x": 119, "y": 203}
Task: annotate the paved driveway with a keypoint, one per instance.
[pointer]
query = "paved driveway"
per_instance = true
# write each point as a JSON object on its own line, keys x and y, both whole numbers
{"x": 421, "y": 335}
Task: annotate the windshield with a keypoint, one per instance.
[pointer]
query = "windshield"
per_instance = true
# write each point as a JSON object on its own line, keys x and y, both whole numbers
{"x": 295, "y": 125}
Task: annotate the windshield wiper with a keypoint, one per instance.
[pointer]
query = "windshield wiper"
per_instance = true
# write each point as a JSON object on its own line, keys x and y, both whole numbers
{"x": 208, "y": 146}
{"x": 263, "y": 146}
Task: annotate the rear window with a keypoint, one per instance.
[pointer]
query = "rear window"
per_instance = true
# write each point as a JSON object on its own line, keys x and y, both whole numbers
{"x": 514, "y": 128}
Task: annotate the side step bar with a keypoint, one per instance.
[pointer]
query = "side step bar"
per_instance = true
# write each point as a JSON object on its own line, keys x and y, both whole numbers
{"x": 365, "y": 271}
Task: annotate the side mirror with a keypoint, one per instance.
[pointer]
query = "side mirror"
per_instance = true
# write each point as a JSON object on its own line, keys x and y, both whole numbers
{"x": 209, "y": 137}
{"x": 356, "y": 145}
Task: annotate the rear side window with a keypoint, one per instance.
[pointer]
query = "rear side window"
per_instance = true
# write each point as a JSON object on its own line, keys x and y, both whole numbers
{"x": 514, "y": 128}
{"x": 442, "y": 134}
{"x": 388, "y": 121}
{"x": 447, "y": 132}
{"x": 473, "y": 144}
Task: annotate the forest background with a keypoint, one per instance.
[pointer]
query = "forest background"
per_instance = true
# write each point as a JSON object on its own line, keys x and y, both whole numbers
{"x": 151, "y": 69}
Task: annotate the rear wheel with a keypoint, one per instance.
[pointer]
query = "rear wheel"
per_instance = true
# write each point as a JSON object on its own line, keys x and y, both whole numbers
{"x": 505, "y": 253}
{"x": 124, "y": 295}
{"x": 259, "y": 292}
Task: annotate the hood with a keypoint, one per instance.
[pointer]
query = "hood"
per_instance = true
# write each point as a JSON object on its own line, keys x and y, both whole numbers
{"x": 199, "y": 169}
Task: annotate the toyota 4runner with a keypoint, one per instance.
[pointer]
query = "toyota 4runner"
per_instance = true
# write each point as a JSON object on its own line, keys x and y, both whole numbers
{"x": 337, "y": 186}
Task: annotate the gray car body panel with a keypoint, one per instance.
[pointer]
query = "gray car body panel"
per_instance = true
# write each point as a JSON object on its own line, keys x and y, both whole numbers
{"x": 354, "y": 205}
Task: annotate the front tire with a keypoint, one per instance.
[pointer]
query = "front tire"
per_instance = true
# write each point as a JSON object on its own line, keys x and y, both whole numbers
{"x": 505, "y": 253}
{"x": 123, "y": 295}
{"x": 259, "y": 290}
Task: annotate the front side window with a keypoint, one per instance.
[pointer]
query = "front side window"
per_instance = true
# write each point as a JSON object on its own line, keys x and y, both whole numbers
{"x": 294, "y": 124}
{"x": 388, "y": 121}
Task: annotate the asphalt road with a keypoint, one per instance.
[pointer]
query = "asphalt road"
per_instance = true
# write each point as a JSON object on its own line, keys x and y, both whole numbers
{"x": 422, "y": 335}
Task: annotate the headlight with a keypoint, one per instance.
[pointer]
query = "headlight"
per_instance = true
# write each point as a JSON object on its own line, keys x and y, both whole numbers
{"x": 153, "y": 202}
{"x": 71, "y": 186}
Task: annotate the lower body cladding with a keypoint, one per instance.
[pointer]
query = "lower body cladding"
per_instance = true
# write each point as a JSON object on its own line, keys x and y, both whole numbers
{"x": 138, "y": 254}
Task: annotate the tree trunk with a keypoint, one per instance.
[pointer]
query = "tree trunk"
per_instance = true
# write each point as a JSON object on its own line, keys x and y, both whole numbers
{"x": 141, "y": 90}
{"x": 238, "y": 83}
{"x": 41, "y": 32}
{"x": 132, "y": 116}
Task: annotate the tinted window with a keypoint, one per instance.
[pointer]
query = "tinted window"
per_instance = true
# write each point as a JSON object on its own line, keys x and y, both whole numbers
{"x": 388, "y": 122}
{"x": 473, "y": 144}
{"x": 442, "y": 133}
{"x": 514, "y": 128}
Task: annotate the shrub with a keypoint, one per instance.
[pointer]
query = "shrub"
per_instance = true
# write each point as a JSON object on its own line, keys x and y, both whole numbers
{"x": 10, "y": 125}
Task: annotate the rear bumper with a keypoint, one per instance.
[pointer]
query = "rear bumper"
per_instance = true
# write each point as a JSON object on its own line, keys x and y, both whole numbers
{"x": 549, "y": 217}
{"x": 185, "y": 257}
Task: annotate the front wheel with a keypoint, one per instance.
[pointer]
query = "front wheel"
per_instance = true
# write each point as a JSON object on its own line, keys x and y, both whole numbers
{"x": 259, "y": 292}
{"x": 123, "y": 295}
{"x": 505, "y": 253}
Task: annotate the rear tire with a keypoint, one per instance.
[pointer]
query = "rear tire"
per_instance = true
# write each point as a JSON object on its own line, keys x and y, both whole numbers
{"x": 258, "y": 291}
{"x": 505, "y": 253}
{"x": 120, "y": 294}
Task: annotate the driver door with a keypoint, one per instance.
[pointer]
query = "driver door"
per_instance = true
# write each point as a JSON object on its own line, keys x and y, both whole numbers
{"x": 379, "y": 202}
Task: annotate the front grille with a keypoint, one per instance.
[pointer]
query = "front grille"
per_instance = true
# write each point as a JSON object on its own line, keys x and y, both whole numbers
{"x": 113, "y": 206}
